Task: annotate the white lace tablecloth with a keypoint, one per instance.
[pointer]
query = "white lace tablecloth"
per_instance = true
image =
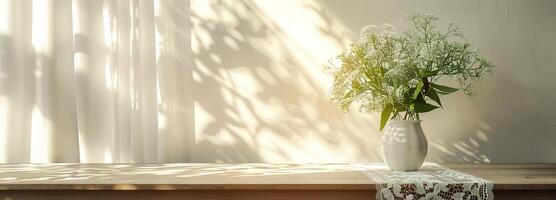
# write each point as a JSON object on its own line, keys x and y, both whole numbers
{"x": 431, "y": 182}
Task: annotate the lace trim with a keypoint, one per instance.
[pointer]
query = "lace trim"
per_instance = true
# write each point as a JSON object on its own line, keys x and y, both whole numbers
{"x": 431, "y": 182}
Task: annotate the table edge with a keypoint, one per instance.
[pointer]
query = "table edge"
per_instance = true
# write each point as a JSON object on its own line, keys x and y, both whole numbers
{"x": 6, "y": 187}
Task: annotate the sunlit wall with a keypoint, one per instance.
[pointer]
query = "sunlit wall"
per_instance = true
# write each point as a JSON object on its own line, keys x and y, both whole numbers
{"x": 261, "y": 93}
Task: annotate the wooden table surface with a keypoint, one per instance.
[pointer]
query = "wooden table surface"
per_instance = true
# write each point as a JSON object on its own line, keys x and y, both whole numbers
{"x": 240, "y": 176}
{"x": 247, "y": 177}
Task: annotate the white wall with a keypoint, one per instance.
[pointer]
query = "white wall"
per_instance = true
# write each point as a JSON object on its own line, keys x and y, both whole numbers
{"x": 261, "y": 92}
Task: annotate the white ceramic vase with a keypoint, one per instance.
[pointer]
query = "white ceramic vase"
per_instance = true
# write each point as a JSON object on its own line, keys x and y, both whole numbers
{"x": 404, "y": 145}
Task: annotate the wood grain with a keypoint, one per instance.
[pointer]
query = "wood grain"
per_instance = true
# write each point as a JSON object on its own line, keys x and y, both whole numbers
{"x": 190, "y": 195}
{"x": 255, "y": 176}
{"x": 235, "y": 194}
{"x": 514, "y": 176}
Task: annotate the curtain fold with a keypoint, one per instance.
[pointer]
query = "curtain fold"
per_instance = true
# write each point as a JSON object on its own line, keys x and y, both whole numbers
{"x": 95, "y": 81}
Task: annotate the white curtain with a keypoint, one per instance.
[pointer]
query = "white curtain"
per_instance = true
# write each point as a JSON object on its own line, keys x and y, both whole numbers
{"x": 95, "y": 81}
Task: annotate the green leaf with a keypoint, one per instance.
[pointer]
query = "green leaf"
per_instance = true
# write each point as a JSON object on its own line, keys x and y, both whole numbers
{"x": 432, "y": 73}
{"x": 434, "y": 96}
{"x": 384, "y": 116}
{"x": 417, "y": 90}
{"x": 422, "y": 106}
{"x": 443, "y": 89}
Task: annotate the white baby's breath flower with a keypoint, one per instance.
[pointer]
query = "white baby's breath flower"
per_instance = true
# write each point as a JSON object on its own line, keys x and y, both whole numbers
{"x": 367, "y": 30}
{"x": 384, "y": 67}
{"x": 333, "y": 64}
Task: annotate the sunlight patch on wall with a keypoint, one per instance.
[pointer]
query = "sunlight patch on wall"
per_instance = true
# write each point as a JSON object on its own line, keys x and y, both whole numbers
{"x": 41, "y": 26}
{"x": 5, "y": 17}
{"x": 442, "y": 148}
{"x": 106, "y": 25}
{"x": 80, "y": 58}
{"x": 162, "y": 121}
{"x": 83, "y": 158}
{"x": 207, "y": 129}
{"x": 281, "y": 149}
{"x": 40, "y": 137}
{"x": 305, "y": 37}
{"x": 264, "y": 87}
{"x": 310, "y": 147}
{"x": 41, "y": 127}
{"x": 108, "y": 157}
{"x": 109, "y": 80}
{"x": 110, "y": 35}
{"x": 80, "y": 62}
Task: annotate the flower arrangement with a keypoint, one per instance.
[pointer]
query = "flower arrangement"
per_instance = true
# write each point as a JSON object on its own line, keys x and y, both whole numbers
{"x": 398, "y": 73}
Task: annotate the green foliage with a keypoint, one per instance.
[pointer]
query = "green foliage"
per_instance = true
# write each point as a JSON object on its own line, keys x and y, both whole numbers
{"x": 397, "y": 72}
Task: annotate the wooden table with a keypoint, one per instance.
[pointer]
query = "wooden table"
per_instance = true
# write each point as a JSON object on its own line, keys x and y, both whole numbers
{"x": 239, "y": 181}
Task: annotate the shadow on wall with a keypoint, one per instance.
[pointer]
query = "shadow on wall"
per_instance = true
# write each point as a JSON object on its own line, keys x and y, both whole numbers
{"x": 495, "y": 130}
{"x": 256, "y": 101}
{"x": 512, "y": 118}
{"x": 469, "y": 142}
{"x": 16, "y": 101}
{"x": 260, "y": 94}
